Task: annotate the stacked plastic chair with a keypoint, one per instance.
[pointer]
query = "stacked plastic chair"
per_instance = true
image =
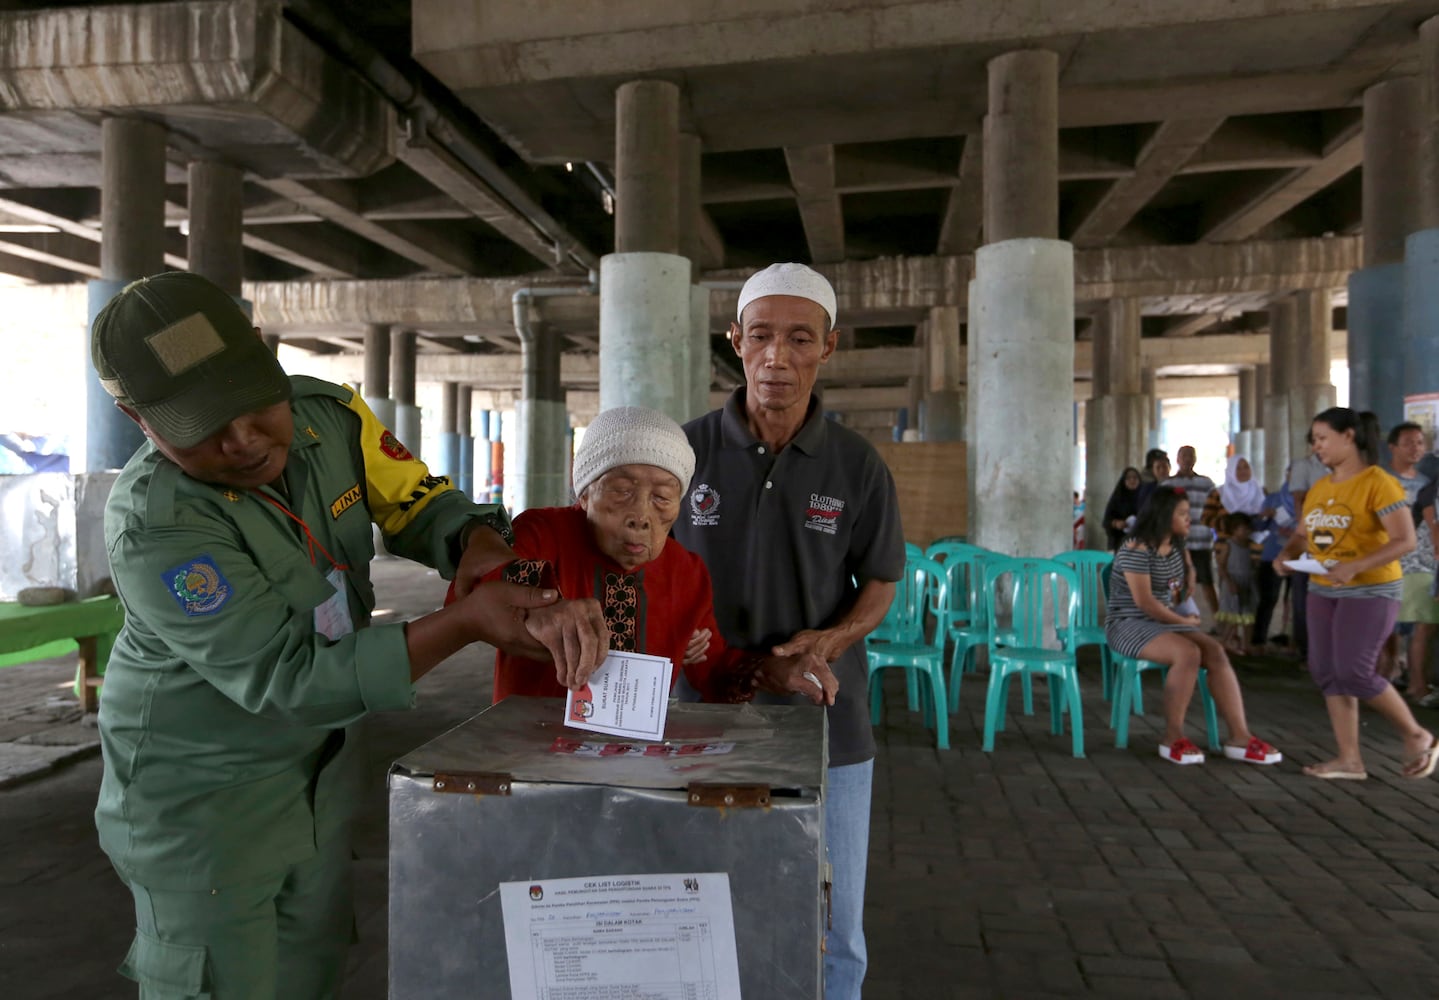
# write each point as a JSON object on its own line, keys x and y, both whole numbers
{"x": 1092, "y": 568}
{"x": 924, "y": 585}
{"x": 1034, "y": 586}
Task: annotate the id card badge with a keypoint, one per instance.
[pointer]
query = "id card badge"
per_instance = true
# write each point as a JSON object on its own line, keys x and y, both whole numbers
{"x": 332, "y": 619}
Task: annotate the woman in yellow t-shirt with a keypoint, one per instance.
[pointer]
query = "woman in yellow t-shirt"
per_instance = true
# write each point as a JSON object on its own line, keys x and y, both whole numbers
{"x": 1356, "y": 523}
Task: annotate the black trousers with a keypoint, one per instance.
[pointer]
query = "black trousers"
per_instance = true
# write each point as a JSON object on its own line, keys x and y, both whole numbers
{"x": 1270, "y": 584}
{"x": 1299, "y": 595}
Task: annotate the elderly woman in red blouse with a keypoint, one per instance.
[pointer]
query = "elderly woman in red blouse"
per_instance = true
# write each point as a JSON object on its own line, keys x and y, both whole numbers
{"x": 631, "y": 475}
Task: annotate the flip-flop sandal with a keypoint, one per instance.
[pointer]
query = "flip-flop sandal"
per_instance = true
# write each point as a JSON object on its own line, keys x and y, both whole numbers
{"x": 1336, "y": 775}
{"x": 1423, "y": 765}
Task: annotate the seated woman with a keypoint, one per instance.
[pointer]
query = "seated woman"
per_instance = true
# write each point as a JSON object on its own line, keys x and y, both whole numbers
{"x": 631, "y": 475}
{"x": 1152, "y": 575}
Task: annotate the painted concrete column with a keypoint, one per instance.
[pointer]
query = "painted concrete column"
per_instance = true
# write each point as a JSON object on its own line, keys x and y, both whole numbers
{"x": 376, "y": 382}
{"x": 1420, "y": 376}
{"x": 402, "y": 389}
{"x": 1023, "y": 304}
{"x": 1276, "y": 399}
{"x": 1311, "y": 390}
{"x": 132, "y": 245}
{"x": 449, "y": 457}
{"x": 645, "y": 299}
{"x": 539, "y": 472}
{"x": 1117, "y": 416}
{"x": 464, "y": 399}
{"x": 482, "y": 457}
{"x": 1393, "y": 127}
{"x": 943, "y": 396}
{"x": 1250, "y": 444}
{"x": 216, "y": 223}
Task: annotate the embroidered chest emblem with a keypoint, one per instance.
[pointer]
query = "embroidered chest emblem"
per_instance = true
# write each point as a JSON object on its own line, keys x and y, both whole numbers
{"x": 704, "y": 506}
{"x": 345, "y": 501}
{"x": 823, "y": 513}
{"x": 198, "y": 586}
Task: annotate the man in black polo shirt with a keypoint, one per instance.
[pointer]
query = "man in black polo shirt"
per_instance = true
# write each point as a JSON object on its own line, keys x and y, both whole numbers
{"x": 797, "y": 519}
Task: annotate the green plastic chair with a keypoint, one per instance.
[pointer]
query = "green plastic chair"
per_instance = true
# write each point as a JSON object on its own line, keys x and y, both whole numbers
{"x": 1128, "y": 672}
{"x": 1093, "y": 570}
{"x": 889, "y": 629}
{"x": 968, "y": 616}
{"x": 1019, "y": 649}
{"x": 919, "y": 657}
{"x": 912, "y": 551}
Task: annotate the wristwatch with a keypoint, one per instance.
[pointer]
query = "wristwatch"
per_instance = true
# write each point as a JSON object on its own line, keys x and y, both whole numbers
{"x": 496, "y": 518}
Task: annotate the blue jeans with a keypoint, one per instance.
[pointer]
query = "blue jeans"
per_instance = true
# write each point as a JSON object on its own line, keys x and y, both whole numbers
{"x": 846, "y": 831}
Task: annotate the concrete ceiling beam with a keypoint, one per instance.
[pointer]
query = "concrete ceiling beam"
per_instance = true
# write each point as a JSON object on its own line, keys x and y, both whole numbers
{"x": 306, "y": 247}
{"x": 1171, "y": 146}
{"x": 1249, "y": 210}
{"x": 336, "y": 203}
{"x": 1190, "y": 325}
{"x": 963, "y": 222}
{"x": 301, "y": 109}
{"x": 58, "y": 250}
{"x": 812, "y": 172}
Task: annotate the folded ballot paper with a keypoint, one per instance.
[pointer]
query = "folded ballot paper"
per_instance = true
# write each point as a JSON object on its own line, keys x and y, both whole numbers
{"x": 628, "y": 695}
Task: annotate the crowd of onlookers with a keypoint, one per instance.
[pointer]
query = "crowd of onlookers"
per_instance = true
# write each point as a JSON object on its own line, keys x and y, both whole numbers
{"x": 1351, "y": 543}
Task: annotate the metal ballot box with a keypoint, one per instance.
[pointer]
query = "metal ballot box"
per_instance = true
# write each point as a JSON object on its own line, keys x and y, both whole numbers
{"x": 512, "y": 795}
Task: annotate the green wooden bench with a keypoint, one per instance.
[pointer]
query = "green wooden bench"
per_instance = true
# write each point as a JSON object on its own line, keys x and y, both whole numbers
{"x": 28, "y": 633}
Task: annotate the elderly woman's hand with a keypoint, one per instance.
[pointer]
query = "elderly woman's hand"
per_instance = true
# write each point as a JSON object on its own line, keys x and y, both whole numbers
{"x": 575, "y": 635}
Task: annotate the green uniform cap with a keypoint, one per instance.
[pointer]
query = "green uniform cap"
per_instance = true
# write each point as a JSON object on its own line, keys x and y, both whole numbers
{"x": 183, "y": 354}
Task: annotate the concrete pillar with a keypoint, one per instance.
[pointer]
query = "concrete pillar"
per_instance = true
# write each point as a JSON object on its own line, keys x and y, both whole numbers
{"x": 449, "y": 457}
{"x": 1420, "y": 344}
{"x": 216, "y": 197}
{"x": 943, "y": 398}
{"x": 1276, "y": 399}
{"x": 645, "y": 316}
{"x": 1117, "y": 417}
{"x": 647, "y": 163}
{"x": 690, "y": 216}
{"x": 132, "y": 218}
{"x": 402, "y": 389}
{"x": 1148, "y": 388}
{"x": 1022, "y": 301}
{"x": 974, "y": 394}
{"x": 645, "y": 300}
{"x": 1311, "y": 390}
{"x": 1021, "y": 147}
{"x": 464, "y": 399}
{"x": 376, "y": 380}
{"x": 1024, "y": 351}
{"x": 539, "y": 472}
{"x": 1393, "y": 126}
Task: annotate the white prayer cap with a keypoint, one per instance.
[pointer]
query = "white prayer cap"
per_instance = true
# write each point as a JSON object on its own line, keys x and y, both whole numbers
{"x": 632, "y": 435}
{"x": 788, "y": 279}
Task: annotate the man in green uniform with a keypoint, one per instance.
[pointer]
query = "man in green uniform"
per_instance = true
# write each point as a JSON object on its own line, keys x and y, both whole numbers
{"x": 240, "y": 541}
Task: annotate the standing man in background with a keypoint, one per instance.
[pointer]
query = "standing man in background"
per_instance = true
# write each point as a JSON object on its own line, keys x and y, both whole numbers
{"x": 1201, "y": 536}
{"x": 797, "y": 519}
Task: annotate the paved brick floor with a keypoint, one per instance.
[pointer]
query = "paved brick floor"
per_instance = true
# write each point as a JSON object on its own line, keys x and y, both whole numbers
{"x": 1023, "y": 873}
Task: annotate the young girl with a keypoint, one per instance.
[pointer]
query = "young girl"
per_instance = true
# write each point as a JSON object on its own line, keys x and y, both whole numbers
{"x": 1356, "y": 523}
{"x": 1152, "y": 579}
{"x": 1234, "y": 558}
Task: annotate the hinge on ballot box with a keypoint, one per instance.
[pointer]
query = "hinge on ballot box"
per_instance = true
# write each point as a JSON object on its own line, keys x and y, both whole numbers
{"x": 472, "y": 783}
{"x": 729, "y": 796}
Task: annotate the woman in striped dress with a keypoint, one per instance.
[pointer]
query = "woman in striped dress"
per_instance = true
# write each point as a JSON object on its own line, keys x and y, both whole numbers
{"x": 1148, "y": 619}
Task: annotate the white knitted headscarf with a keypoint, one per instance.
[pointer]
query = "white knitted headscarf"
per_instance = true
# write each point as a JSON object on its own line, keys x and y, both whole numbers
{"x": 788, "y": 279}
{"x": 632, "y": 435}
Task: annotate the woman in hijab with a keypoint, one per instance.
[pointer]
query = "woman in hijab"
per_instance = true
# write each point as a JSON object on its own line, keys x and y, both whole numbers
{"x": 1122, "y": 507}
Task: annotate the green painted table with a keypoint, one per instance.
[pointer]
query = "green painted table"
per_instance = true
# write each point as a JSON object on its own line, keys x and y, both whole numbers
{"x": 91, "y": 624}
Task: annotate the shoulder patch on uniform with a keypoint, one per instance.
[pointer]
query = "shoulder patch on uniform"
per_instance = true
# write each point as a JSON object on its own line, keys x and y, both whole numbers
{"x": 391, "y": 446}
{"x": 198, "y": 586}
{"x": 345, "y": 501}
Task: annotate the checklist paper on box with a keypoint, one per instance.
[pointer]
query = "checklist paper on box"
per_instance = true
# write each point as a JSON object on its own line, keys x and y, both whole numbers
{"x": 627, "y": 696}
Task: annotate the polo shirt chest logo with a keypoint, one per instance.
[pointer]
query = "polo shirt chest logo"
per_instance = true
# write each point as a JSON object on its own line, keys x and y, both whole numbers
{"x": 823, "y": 513}
{"x": 704, "y": 506}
